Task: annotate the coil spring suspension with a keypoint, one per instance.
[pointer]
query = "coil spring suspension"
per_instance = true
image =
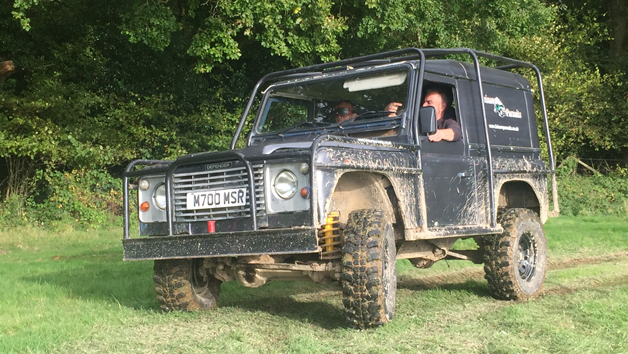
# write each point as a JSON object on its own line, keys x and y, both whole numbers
{"x": 329, "y": 237}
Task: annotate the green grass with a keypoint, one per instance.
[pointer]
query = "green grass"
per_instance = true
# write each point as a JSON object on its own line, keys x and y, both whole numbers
{"x": 69, "y": 292}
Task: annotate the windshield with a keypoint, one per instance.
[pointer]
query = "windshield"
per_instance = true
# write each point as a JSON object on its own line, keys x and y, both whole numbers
{"x": 340, "y": 101}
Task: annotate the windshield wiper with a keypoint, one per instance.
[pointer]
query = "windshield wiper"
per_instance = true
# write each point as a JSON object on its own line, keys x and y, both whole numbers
{"x": 367, "y": 114}
{"x": 303, "y": 124}
{"x": 373, "y": 114}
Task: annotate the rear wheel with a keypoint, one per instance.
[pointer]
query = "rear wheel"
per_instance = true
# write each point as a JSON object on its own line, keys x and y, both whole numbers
{"x": 181, "y": 285}
{"x": 369, "y": 275}
{"x": 515, "y": 262}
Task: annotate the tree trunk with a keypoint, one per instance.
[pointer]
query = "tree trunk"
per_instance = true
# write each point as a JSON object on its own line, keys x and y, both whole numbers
{"x": 618, "y": 14}
{"x": 6, "y": 68}
{"x": 19, "y": 174}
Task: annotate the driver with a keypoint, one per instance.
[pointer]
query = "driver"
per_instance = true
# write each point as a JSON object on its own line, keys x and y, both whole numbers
{"x": 448, "y": 128}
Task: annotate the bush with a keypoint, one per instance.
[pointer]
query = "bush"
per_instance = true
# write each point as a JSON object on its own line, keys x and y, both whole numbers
{"x": 89, "y": 197}
{"x": 13, "y": 212}
{"x": 594, "y": 194}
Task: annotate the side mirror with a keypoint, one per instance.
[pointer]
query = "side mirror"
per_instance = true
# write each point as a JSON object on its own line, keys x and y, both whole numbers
{"x": 427, "y": 120}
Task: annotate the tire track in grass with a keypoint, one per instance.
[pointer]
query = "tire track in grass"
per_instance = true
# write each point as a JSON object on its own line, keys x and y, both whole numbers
{"x": 476, "y": 274}
{"x": 574, "y": 262}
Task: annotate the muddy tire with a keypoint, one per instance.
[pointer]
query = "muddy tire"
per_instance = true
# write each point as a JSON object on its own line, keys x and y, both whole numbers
{"x": 181, "y": 287}
{"x": 515, "y": 261}
{"x": 369, "y": 275}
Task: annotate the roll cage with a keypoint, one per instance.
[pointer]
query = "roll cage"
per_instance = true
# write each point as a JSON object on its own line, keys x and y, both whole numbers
{"x": 421, "y": 55}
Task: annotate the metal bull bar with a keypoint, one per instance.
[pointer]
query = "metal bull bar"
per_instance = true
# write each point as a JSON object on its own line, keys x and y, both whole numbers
{"x": 125, "y": 185}
{"x": 209, "y": 157}
{"x": 182, "y": 161}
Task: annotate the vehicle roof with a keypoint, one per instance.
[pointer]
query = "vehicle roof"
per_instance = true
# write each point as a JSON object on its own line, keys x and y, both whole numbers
{"x": 459, "y": 69}
{"x": 446, "y": 67}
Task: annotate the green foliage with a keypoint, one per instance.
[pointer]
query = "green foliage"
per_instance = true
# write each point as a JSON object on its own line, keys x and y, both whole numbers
{"x": 85, "y": 98}
{"x": 150, "y": 22}
{"x": 579, "y": 195}
{"x": 89, "y": 197}
{"x": 13, "y": 211}
{"x": 486, "y": 25}
{"x": 86, "y": 197}
{"x": 101, "y": 83}
{"x": 587, "y": 195}
{"x": 586, "y": 105}
{"x": 299, "y": 31}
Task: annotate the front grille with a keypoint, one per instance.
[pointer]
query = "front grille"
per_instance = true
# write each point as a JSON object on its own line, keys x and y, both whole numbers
{"x": 234, "y": 177}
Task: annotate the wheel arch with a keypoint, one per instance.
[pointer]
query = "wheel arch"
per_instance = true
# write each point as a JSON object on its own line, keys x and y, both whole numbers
{"x": 521, "y": 194}
{"x": 363, "y": 190}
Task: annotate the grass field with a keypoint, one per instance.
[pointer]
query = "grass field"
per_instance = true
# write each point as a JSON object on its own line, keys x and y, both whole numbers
{"x": 69, "y": 292}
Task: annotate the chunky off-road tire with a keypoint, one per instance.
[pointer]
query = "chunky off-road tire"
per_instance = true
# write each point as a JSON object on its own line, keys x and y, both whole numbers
{"x": 369, "y": 275}
{"x": 181, "y": 287}
{"x": 515, "y": 261}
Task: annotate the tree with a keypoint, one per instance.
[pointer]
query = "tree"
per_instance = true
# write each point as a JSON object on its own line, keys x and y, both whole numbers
{"x": 585, "y": 61}
{"x": 97, "y": 84}
{"x": 105, "y": 82}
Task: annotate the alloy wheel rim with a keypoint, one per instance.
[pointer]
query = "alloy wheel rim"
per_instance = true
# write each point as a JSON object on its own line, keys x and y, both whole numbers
{"x": 199, "y": 283}
{"x": 527, "y": 257}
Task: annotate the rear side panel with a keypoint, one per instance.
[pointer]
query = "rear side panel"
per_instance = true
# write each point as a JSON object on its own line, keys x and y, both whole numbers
{"x": 509, "y": 117}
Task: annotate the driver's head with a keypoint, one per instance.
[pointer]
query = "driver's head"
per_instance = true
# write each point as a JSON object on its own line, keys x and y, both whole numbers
{"x": 436, "y": 98}
{"x": 344, "y": 111}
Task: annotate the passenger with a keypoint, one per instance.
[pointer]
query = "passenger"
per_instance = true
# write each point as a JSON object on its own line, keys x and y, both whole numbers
{"x": 344, "y": 111}
{"x": 448, "y": 128}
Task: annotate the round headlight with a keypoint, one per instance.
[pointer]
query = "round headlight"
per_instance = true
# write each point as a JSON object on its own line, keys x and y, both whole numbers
{"x": 160, "y": 196}
{"x": 286, "y": 184}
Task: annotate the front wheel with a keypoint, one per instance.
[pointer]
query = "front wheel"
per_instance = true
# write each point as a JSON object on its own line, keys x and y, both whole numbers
{"x": 369, "y": 275}
{"x": 515, "y": 262}
{"x": 182, "y": 285}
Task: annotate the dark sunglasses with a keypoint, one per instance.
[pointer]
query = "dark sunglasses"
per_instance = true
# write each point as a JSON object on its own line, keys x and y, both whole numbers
{"x": 344, "y": 111}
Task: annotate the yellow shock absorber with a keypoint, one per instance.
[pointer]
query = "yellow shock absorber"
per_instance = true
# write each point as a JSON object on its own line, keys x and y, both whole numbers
{"x": 329, "y": 237}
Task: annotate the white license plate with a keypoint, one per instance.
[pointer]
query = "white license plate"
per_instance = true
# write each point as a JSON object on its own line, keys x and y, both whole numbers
{"x": 223, "y": 198}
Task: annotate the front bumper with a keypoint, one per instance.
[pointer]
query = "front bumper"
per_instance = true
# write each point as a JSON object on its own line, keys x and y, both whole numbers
{"x": 298, "y": 240}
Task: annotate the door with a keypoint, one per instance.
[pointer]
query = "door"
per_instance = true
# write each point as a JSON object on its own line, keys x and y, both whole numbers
{"x": 449, "y": 175}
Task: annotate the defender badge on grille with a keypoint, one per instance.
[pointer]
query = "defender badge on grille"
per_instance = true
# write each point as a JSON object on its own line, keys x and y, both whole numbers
{"x": 217, "y": 166}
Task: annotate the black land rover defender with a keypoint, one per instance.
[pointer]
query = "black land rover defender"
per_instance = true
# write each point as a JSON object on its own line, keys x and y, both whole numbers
{"x": 312, "y": 197}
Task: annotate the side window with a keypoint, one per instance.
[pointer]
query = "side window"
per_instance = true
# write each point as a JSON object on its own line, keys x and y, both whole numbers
{"x": 449, "y": 94}
{"x": 452, "y": 109}
{"x": 444, "y": 99}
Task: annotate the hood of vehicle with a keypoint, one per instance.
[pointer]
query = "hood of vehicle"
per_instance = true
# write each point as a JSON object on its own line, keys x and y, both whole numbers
{"x": 270, "y": 148}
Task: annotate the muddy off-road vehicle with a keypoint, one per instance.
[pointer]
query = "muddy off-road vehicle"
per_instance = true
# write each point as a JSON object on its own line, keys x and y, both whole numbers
{"x": 309, "y": 198}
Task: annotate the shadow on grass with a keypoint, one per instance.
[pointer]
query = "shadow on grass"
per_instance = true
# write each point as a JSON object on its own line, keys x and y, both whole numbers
{"x": 319, "y": 313}
{"x": 102, "y": 276}
{"x": 473, "y": 286}
{"x": 99, "y": 276}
